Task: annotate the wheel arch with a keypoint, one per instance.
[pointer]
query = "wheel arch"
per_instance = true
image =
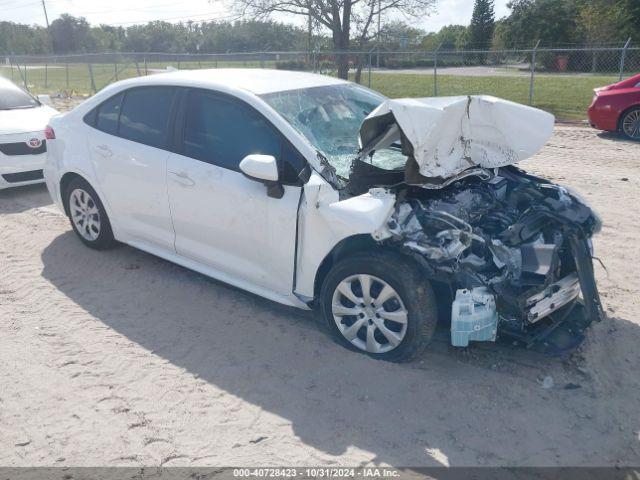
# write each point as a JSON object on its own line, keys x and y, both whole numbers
{"x": 67, "y": 178}
{"x": 635, "y": 106}
{"x": 360, "y": 243}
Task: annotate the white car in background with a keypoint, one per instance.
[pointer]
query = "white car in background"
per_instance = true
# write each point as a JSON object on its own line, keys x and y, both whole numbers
{"x": 319, "y": 193}
{"x": 23, "y": 143}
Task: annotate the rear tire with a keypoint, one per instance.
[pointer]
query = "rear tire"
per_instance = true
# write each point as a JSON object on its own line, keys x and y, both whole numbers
{"x": 381, "y": 304}
{"x": 87, "y": 215}
{"x": 630, "y": 124}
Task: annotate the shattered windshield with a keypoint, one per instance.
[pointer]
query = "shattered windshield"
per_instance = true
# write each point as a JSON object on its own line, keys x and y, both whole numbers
{"x": 330, "y": 118}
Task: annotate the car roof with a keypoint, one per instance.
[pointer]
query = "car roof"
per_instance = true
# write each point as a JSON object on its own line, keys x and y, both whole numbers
{"x": 255, "y": 80}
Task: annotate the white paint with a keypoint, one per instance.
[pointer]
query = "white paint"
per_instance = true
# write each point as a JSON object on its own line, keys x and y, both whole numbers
{"x": 260, "y": 167}
{"x": 324, "y": 221}
{"x": 211, "y": 219}
{"x": 18, "y": 126}
{"x": 451, "y": 134}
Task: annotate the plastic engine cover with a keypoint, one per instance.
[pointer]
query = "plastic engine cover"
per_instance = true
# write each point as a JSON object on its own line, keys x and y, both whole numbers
{"x": 473, "y": 317}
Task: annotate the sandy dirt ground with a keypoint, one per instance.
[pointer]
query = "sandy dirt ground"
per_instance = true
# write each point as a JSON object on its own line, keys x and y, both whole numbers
{"x": 120, "y": 358}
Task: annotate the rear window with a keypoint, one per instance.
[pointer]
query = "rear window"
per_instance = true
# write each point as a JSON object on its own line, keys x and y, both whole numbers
{"x": 145, "y": 115}
{"x": 11, "y": 97}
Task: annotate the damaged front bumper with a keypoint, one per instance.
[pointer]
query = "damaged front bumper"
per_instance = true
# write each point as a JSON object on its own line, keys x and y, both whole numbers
{"x": 552, "y": 298}
{"x": 513, "y": 249}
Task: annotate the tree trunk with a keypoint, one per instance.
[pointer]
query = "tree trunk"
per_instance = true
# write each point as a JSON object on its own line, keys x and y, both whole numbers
{"x": 359, "y": 65}
{"x": 343, "y": 66}
{"x": 341, "y": 41}
{"x": 342, "y": 54}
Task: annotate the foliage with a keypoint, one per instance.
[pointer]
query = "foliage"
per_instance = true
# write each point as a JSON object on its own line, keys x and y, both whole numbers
{"x": 553, "y": 22}
{"x": 349, "y": 22}
{"x": 450, "y": 37}
{"x": 399, "y": 35}
{"x": 562, "y": 22}
{"x": 70, "y": 34}
{"x": 25, "y": 39}
{"x": 482, "y": 25}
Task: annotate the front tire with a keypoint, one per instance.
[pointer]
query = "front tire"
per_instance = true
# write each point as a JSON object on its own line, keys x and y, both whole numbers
{"x": 630, "y": 124}
{"x": 380, "y": 304}
{"x": 87, "y": 215}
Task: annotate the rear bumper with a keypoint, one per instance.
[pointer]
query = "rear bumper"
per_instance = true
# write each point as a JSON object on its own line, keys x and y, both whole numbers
{"x": 603, "y": 117}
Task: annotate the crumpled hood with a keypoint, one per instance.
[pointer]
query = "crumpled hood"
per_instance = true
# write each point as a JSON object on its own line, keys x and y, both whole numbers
{"x": 444, "y": 136}
{"x": 23, "y": 120}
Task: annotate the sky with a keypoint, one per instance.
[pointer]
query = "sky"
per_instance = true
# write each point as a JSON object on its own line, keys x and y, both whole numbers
{"x": 128, "y": 12}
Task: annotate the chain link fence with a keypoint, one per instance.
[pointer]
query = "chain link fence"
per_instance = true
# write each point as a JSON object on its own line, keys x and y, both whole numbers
{"x": 558, "y": 80}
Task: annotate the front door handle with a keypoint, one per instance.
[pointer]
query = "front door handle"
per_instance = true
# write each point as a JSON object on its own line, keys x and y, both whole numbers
{"x": 183, "y": 179}
{"x": 104, "y": 150}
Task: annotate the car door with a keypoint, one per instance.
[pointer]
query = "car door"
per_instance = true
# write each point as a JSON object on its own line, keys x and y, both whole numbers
{"x": 129, "y": 150}
{"x": 222, "y": 218}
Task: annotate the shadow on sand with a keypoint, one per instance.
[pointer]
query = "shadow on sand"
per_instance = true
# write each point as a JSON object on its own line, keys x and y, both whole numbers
{"x": 447, "y": 408}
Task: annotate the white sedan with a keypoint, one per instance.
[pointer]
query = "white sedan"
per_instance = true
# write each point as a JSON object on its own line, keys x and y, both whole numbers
{"x": 23, "y": 144}
{"x": 319, "y": 193}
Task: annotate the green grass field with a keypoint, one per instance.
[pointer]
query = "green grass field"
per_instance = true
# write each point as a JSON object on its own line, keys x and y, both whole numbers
{"x": 567, "y": 96}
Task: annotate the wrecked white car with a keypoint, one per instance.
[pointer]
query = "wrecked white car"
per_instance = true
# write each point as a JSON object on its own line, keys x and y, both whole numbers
{"x": 386, "y": 215}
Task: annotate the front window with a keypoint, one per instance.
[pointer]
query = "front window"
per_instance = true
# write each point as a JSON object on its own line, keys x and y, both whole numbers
{"x": 330, "y": 118}
{"x": 12, "y": 98}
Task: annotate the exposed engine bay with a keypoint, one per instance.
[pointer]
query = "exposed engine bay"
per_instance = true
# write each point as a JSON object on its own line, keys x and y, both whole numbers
{"x": 513, "y": 247}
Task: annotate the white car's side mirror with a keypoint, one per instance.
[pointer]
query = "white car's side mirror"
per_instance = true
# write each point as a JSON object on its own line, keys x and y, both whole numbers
{"x": 260, "y": 167}
{"x": 44, "y": 99}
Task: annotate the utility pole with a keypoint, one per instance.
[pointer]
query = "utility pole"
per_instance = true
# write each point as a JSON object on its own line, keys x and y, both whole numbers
{"x": 378, "y": 49}
{"x": 46, "y": 17}
{"x": 309, "y": 33}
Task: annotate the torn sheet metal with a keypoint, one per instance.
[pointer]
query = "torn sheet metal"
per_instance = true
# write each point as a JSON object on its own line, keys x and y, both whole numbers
{"x": 446, "y": 135}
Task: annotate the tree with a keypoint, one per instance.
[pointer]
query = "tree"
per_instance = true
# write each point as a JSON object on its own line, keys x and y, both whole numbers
{"x": 482, "y": 27}
{"x": 71, "y": 34}
{"x": 398, "y": 34}
{"x": 450, "y": 37}
{"x": 602, "y": 21}
{"x": 349, "y": 21}
{"x": 23, "y": 39}
{"x": 553, "y": 22}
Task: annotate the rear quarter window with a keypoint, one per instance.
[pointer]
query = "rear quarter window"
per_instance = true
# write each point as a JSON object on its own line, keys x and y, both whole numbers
{"x": 106, "y": 115}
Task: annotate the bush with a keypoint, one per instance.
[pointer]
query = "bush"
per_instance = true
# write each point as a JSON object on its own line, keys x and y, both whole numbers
{"x": 293, "y": 65}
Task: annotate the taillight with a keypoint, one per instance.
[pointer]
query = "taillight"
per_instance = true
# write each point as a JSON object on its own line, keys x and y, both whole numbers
{"x": 49, "y": 134}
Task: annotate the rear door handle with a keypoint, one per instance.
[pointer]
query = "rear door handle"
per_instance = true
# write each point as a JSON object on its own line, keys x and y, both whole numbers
{"x": 104, "y": 150}
{"x": 183, "y": 179}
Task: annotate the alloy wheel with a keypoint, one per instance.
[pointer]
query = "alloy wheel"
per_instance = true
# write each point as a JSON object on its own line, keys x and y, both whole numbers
{"x": 369, "y": 313}
{"x": 84, "y": 214}
{"x": 631, "y": 124}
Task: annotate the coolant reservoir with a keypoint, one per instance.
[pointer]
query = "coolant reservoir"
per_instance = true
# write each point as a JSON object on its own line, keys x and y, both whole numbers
{"x": 473, "y": 317}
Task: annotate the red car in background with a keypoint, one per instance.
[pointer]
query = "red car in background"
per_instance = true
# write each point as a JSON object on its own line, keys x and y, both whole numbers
{"x": 616, "y": 108}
